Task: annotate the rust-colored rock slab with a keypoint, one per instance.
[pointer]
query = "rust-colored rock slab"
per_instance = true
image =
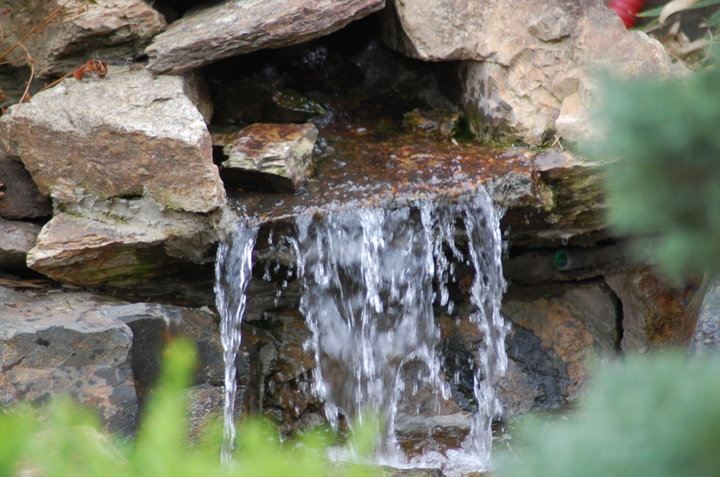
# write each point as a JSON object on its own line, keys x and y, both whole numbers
{"x": 79, "y": 31}
{"x": 367, "y": 168}
{"x": 130, "y": 134}
{"x": 233, "y": 27}
{"x": 19, "y": 196}
{"x": 277, "y": 153}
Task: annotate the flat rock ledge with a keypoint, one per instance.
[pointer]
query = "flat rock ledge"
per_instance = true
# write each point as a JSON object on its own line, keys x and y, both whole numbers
{"x": 233, "y": 27}
{"x": 121, "y": 242}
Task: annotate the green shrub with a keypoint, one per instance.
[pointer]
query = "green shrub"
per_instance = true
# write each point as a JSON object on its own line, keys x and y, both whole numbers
{"x": 646, "y": 417}
{"x": 63, "y": 440}
{"x": 665, "y": 183}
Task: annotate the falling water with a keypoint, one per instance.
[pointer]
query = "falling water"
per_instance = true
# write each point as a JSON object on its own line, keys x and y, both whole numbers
{"x": 371, "y": 278}
{"x": 232, "y": 274}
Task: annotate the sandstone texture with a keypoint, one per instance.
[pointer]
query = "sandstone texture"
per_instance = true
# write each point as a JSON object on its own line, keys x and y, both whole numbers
{"x": 121, "y": 242}
{"x": 19, "y": 196}
{"x": 655, "y": 311}
{"x": 76, "y": 29}
{"x": 234, "y": 27}
{"x": 529, "y": 63}
{"x": 130, "y": 134}
{"x": 277, "y": 153}
{"x": 16, "y": 238}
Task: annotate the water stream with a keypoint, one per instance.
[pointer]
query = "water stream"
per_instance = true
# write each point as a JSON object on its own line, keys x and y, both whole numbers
{"x": 373, "y": 279}
{"x": 233, "y": 268}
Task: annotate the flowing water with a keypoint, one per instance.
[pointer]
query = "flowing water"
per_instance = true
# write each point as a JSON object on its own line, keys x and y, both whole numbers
{"x": 372, "y": 281}
{"x": 233, "y": 268}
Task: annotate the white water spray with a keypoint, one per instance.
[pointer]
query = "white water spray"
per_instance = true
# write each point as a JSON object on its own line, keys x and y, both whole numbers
{"x": 372, "y": 279}
{"x": 233, "y": 267}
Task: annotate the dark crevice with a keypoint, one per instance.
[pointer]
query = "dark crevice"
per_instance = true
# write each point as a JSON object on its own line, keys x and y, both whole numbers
{"x": 619, "y": 316}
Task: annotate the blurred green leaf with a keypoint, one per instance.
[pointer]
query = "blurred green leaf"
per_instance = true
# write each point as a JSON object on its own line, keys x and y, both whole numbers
{"x": 648, "y": 416}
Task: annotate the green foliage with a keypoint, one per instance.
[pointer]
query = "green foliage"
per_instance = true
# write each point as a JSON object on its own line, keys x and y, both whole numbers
{"x": 649, "y": 416}
{"x": 63, "y": 440}
{"x": 666, "y": 181}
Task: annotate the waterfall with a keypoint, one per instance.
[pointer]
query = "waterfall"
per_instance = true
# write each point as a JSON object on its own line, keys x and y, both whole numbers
{"x": 372, "y": 280}
{"x": 233, "y": 267}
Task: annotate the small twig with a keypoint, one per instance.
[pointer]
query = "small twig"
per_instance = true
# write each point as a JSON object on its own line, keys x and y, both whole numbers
{"x": 31, "y": 62}
{"x": 45, "y": 22}
{"x": 60, "y": 79}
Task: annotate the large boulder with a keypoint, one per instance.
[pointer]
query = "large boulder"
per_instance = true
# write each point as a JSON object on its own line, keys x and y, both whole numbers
{"x": 233, "y": 27}
{"x": 529, "y": 63}
{"x": 61, "y": 343}
{"x": 76, "y": 30}
{"x": 130, "y": 134}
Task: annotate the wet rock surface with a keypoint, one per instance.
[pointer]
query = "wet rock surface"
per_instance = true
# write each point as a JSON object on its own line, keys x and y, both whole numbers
{"x": 278, "y": 155}
{"x": 154, "y": 325}
{"x": 554, "y": 332}
{"x": 234, "y": 27}
{"x": 655, "y": 311}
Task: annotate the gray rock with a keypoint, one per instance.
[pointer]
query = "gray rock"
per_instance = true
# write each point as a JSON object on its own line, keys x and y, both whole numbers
{"x": 19, "y": 196}
{"x": 706, "y": 337}
{"x": 530, "y": 62}
{"x": 233, "y": 27}
{"x": 55, "y": 343}
{"x": 109, "y": 29}
{"x": 278, "y": 153}
{"x": 121, "y": 242}
{"x": 153, "y": 325}
{"x": 130, "y": 134}
{"x": 206, "y": 406}
{"x": 17, "y": 239}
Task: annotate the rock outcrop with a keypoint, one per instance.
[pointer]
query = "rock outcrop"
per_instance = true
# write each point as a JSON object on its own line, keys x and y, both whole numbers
{"x": 130, "y": 134}
{"x": 234, "y": 27}
{"x": 62, "y": 343}
{"x": 529, "y": 63}
{"x": 121, "y": 242}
